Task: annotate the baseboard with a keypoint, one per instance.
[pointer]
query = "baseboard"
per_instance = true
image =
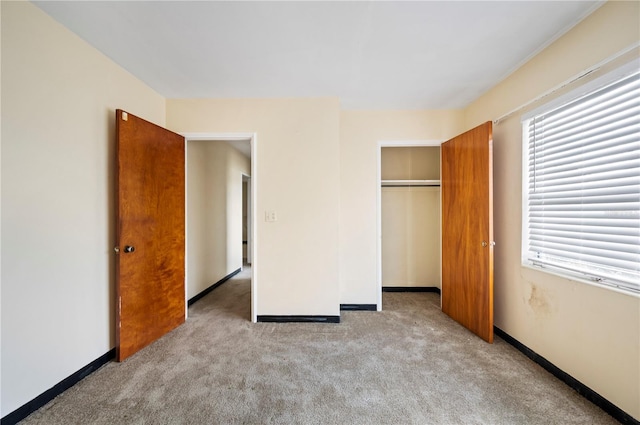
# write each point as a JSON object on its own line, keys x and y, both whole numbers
{"x": 358, "y": 307}
{"x": 302, "y": 319}
{"x": 411, "y": 289}
{"x": 586, "y": 392}
{"x": 28, "y": 408}
{"x": 212, "y": 287}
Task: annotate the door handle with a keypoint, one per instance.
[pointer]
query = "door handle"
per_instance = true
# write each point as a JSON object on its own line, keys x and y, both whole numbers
{"x": 492, "y": 243}
{"x": 128, "y": 249}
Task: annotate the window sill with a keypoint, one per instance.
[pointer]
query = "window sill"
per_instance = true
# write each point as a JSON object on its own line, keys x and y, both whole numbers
{"x": 576, "y": 277}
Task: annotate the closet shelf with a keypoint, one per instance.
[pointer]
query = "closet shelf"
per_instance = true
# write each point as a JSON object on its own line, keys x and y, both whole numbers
{"x": 396, "y": 183}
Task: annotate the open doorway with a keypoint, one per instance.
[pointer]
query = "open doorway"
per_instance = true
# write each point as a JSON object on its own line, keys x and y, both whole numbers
{"x": 218, "y": 166}
{"x": 408, "y": 211}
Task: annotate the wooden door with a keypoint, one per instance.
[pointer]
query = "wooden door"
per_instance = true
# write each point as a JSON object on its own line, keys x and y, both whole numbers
{"x": 467, "y": 230}
{"x": 150, "y": 270}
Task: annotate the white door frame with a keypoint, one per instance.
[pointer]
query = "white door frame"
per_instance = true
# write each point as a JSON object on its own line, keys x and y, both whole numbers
{"x": 390, "y": 144}
{"x": 253, "y": 138}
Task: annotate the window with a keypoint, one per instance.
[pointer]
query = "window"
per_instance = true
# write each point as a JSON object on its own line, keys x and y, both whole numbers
{"x": 581, "y": 173}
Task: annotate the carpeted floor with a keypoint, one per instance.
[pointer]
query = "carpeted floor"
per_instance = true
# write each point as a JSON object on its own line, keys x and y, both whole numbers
{"x": 409, "y": 364}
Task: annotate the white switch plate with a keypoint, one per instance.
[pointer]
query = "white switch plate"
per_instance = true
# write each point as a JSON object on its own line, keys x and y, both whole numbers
{"x": 270, "y": 216}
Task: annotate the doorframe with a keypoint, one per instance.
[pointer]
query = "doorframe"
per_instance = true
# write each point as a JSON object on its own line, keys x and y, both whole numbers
{"x": 253, "y": 139}
{"x": 393, "y": 144}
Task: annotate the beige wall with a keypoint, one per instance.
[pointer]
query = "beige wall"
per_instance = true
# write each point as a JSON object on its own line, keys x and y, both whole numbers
{"x": 1, "y": 37}
{"x": 590, "y": 332}
{"x": 411, "y": 236}
{"x": 214, "y": 212}
{"x": 410, "y": 163}
{"x": 58, "y": 101}
{"x": 360, "y": 134}
{"x": 296, "y": 264}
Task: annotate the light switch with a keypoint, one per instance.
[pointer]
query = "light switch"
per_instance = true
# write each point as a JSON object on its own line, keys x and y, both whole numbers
{"x": 270, "y": 216}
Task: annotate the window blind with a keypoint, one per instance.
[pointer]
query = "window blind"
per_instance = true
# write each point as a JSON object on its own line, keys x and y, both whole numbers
{"x": 583, "y": 196}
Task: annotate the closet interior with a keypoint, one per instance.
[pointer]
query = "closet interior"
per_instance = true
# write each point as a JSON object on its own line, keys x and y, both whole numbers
{"x": 411, "y": 225}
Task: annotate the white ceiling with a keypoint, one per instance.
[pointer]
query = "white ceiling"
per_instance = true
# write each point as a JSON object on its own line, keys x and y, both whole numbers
{"x": 372, "y": 55}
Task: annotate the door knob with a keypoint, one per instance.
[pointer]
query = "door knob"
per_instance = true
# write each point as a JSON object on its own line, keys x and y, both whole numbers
{"x": 128, "y": 249}
{"x": 484, "y": 243}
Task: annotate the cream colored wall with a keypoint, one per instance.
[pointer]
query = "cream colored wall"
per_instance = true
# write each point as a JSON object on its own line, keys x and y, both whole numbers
{"x": 590, "y": 332}
{"x": 360, "y": 133}
{"x": 411, "y": 236}
{"x": 58, "y": 101}
{"x": 297, "y": 161}
{"x": 1, "y": 411}
{"x": 410, "y": 163}
{"x": 214, "y": 212}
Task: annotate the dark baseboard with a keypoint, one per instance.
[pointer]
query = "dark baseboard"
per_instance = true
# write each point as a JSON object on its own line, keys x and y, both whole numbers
{"x": 303, "y": 319}
{"x": 586, "y": 392}
{"x": 411, "y": 289}
{"x": 358, "y": 307}
{"x": 28, "y": 408}
{"x": 212, "y": 287}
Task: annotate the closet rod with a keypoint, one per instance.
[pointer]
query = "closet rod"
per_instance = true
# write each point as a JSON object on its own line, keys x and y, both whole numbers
{"x": 410, "y": 183}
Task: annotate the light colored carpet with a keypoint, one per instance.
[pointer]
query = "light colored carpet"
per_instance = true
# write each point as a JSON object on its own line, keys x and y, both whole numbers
{"x": 409, "y": 364}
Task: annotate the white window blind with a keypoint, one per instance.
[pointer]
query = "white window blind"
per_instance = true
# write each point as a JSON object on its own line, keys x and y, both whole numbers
{"x": 582, "y": 200}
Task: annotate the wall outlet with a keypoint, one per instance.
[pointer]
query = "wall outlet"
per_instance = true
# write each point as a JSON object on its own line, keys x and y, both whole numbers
{"x": 270, "y": 216}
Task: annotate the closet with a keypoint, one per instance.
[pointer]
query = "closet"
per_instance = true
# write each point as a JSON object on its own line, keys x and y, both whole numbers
{"x": 410, "y": 208}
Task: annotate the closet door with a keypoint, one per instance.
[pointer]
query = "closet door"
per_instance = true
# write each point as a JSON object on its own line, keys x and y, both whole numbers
{"x": 467, "y": 230}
